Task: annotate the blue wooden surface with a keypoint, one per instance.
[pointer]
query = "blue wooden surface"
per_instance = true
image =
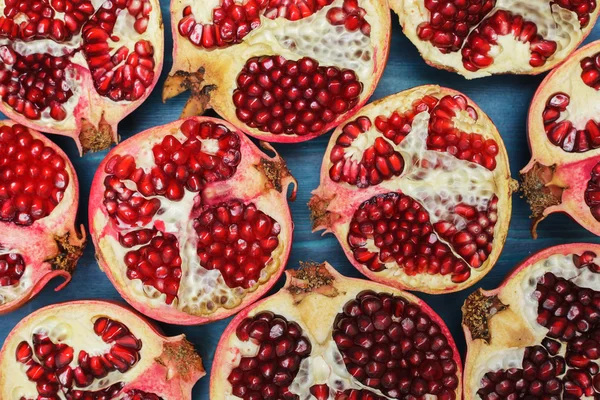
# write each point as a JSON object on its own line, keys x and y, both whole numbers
{"x": 504, "y": 98}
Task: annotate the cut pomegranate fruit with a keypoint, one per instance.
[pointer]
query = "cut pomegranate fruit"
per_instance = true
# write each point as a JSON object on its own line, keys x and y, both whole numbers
{"x": 564, "y": 137}
{"x": 281, "y": 70}
{"x": 483, "y": 37}
{"x": 95, "y": 350}
{"x": 190, "y": 220}
{"x": 39, "y": 195}
{"x": 76, "y": 68}
{"x": 538, "y": 335}
{"x": 417, "y": 190}
{"x": 338, "y": 338}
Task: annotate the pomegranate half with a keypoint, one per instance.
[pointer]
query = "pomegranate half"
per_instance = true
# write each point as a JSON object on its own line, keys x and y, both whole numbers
{"x": 283, "y": 71}
{"x": 564, "y": 137}
{"x": 417, "y": 189}
{"x": 39, "y": 195}
{"x": 538, "y": 335}
{"x": 339, "y": 338}
{"x": 190, "y": 220}
{"x": 77, "y": 67}
{"x": 95, "y": 350}
{"x": 483, "y": 37}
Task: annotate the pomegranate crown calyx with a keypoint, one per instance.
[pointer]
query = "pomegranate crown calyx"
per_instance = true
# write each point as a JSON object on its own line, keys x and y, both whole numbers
{"x": 478, "y": 309}
{"x": 180, "y": 359}
{"x": 311, "y": 278}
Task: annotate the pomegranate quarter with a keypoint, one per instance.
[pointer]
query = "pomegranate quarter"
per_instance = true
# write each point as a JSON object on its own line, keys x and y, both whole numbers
{"x": 538, "y": 335}
{"x": 281, "y": 70}
{"x": 564, "y": 137}
{"x": 190, "y": 220}
{"x": 39, "y": 195}
{"x": 98, "y": 351}
{"x": 326, "y": 336}
{"x": 77, "y": 67}
{"x": 417, "y": 190}
{"x": 483, "y": 37}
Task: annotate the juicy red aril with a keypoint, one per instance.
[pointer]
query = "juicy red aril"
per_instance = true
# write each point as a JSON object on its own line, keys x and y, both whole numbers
{"x": 12, "y": 268}
{"x": 33, "y": 83}
{"x": 238, "y": 240}
{"x": 444, "y": 136}
{"x": 389, "y": 344}
{"x": 572, "y": 315}
{"x": 293, "y": 97}
{"x": 180, "y": 166}
{"x": 590, "y": 71}
{"x": 54, "y": 372}
{"x": 476, "y": 52}
{"x": 232, "y": 21}
{"x": 583, "y": 8}
{"x": 157, "y": 264}
{"x": 41, "y": 20}
{"x": 451, "y": 21}
{"x": 126, "y": 73}
{"x": 586, "y": 260}
{"x": 562, "y": 306}
{"x": 474, "y": 242}
{"x": 269, "y": 373}
{"x": 562, "y": 133}
{"x": 379, "y": 161}
{"x": 592, "y": 192}
{"x": 353, "y": 394}
{"x": 33, "y": 177}
{"x": 400, "y": 228}
{"x": 351, "y": 16}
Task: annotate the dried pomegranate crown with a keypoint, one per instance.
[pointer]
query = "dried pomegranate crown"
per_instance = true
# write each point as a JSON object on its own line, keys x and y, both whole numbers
{"x": 77, "y": 67}
{"x": 538, "y": 334}
{"x": 482, "y": 37}
{"x": 417, "y": 190}
{"x": 563, "y": 174}
{"x": 282, "y": 71}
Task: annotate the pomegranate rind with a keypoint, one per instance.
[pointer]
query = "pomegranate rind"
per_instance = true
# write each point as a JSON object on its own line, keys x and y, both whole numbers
{"x": 313, "y": 309}
{"x": 412, "y": 13}
{"x": 168, "y": 366}
{"x": 58, "y": 242}
{"x": 507, "y": 328}
{"x": 334, "y": 213}
{"x": 259, "y": 178}
{"x": 211, "y": 75}
{"x": 570, "y": 170}
{"x": 93, "y": 124}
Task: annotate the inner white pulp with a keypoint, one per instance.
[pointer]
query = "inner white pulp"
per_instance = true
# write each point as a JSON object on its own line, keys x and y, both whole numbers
{"x": 11, "y": 293}
{"x": 561, "y": 266}
{"x": 201, "y": 291}
{"x": 553, "y": 23}
{"x": 315, "y": 37}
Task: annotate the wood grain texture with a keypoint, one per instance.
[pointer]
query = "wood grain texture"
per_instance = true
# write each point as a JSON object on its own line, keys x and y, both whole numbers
{"x": 504, "y": 98}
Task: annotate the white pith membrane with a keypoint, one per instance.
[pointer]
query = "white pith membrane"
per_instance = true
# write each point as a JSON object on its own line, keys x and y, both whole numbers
{"x": 73, "y": 325}
{"x": 316, "y": 38}
{"x": 87, "y": 104}
{"x": 518, "y": 294}
{"x": 315, "y": 314}
{"x": 510, "y": 55}
{"x": 201, "y": 291}
{"x": 437, "y": 180}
